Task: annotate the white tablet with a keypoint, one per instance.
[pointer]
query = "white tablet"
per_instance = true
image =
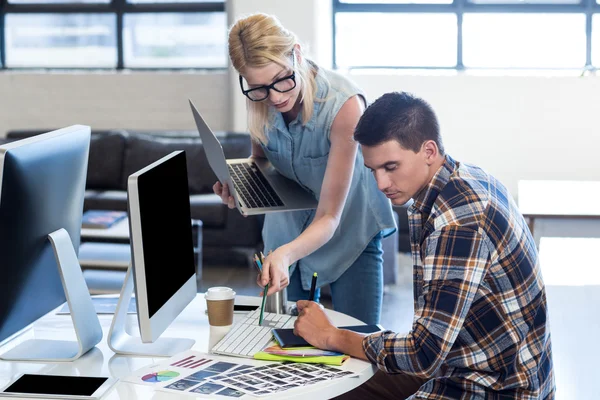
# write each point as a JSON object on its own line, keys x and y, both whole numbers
{"x": 58, "y": 387}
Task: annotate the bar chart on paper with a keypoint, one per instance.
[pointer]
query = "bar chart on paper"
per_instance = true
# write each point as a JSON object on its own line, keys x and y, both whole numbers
{"x": 191, "y": 362}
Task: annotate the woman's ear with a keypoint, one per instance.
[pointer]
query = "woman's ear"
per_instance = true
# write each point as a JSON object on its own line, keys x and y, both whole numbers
{"x": 298, "y": 53}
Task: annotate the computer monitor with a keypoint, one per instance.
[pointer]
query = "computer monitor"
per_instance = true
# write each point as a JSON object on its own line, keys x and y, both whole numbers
{"x": 162, "y": 251}
{"x": 42, "y": 185}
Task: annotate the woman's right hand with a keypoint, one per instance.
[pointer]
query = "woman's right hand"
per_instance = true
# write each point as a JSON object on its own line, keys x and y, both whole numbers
{"x": 223, "y": 192}
{"x": 275, "y": 271}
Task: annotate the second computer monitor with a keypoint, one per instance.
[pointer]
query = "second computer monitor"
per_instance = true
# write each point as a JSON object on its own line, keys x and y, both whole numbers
{"x": 162, "y": 246}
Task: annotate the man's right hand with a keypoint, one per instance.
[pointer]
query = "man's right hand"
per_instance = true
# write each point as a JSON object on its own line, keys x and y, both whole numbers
{"x": 223, "y": 192}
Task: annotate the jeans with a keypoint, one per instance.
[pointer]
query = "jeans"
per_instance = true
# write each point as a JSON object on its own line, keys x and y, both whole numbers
{"x": 359, "y": 291}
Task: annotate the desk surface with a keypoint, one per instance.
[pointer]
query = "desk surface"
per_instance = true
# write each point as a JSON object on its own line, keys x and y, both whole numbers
{"x": 191, "y": 323}
{"x": 555, "y": 198}
{"x": 570, "y": 268}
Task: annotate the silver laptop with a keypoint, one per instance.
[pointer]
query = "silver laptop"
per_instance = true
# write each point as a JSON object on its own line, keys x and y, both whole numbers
{"x": 255, "y": 184}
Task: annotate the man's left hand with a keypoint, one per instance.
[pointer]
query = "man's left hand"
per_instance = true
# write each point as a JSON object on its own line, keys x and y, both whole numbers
{"x": 314, "y": 326}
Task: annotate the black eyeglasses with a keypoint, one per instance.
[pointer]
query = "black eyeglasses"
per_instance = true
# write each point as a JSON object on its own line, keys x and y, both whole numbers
{"x": 281, "y": 85}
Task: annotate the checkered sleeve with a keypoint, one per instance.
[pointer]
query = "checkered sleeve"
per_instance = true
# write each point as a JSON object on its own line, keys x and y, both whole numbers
{"x": 454, "y": 264}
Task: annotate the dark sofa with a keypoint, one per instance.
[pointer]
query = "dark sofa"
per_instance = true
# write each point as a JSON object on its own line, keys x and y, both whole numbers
{"x": 228, "y": 237}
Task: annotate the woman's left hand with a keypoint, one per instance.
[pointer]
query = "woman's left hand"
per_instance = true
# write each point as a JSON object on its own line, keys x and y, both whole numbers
{"x": 275, "y": 271}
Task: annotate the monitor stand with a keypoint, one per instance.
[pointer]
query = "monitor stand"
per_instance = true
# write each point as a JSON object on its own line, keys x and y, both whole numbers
{"x": 85, "y": 321}
{"x": 121, "y": 342}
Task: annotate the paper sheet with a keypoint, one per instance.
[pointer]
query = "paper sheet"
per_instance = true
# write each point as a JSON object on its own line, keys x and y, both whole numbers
{"x": 209, "y": 376}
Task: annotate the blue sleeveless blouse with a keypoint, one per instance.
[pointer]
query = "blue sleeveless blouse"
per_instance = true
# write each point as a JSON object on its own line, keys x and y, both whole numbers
{"x": 300, "y": 152}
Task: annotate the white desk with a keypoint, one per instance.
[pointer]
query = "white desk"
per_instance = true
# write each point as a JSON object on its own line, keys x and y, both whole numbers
{"x": 560, "y": 208}
{"x": 192, "y": 323}
{"x": 571, "y": 272}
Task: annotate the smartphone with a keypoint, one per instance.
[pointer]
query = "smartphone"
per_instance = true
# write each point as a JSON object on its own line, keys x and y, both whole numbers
{"x": 240, "y": 308}
{"x": 58, "y": 387}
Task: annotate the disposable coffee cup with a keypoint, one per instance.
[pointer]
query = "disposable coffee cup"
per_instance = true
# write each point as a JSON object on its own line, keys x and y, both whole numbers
{"x": 219, "y": 304}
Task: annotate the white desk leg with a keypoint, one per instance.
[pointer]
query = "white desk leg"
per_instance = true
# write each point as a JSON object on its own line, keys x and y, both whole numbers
{"x": 85, "y": 321}
{"x": 122, "y": 343}
{"x": 537, "y": 232}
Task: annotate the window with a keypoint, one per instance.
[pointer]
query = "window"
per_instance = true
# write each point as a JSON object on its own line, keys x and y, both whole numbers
{"x": 396, "y": 39}
{"x": 558, "y": 40}
{"x": 596, "y": 41}
{"x": 174, "y": 40}
{"x": 60, "y": 40}
{"x": 473, "y": 34}
{"x": 115, "y": 34}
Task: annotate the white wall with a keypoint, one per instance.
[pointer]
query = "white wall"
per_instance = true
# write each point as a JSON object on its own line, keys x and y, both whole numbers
{"x": 105, "y": 100}
{"x": 515, "y": 127}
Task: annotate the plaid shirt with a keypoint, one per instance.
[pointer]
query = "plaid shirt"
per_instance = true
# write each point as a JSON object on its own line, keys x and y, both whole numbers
{"x": 480, "y": 328}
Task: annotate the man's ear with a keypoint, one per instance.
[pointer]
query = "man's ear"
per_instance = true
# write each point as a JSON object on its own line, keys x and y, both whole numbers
{"x": 430, "y": 151}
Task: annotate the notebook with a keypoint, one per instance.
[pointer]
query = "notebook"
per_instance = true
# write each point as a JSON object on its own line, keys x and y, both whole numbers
{"x": 287, "y": 339}
{"x": 306, "y": 355}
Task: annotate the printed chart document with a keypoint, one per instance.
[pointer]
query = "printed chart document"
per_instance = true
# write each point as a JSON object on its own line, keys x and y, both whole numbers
{"x": 209, "y": 376}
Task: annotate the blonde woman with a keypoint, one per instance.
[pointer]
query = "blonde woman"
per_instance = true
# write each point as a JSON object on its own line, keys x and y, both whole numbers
{"x": 302, "y": 119}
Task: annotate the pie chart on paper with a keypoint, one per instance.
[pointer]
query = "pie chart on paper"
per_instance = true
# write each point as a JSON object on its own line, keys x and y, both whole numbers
{"x": 160, "y": 376}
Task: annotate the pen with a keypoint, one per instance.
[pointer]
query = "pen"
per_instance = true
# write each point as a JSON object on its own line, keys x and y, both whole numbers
{"x": 313, "y": 286}
{"x": 262, "y": 307}
{"x": 256, "y": 264}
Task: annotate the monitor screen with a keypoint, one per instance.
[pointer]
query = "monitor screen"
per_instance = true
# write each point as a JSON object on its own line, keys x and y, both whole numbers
{"x": 168, "y": 248}
{"x": 42, "y": 186}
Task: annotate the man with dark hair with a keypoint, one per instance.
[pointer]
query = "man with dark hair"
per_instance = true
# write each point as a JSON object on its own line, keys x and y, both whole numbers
{"x": 480, "y": 328}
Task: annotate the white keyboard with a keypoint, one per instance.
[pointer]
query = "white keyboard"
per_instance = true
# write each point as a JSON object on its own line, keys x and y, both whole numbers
{"x": 247, "y": 338}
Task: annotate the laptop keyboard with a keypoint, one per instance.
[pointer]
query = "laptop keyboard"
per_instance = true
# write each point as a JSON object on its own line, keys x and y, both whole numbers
{"x": 252, "y": 186}
{"x": 247, "y": 338}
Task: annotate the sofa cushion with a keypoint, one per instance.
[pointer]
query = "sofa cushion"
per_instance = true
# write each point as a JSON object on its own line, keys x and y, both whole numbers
{"x": 209, "y": 209}
{"x": 142, "y": 150}
{"x": 105, "y": 163}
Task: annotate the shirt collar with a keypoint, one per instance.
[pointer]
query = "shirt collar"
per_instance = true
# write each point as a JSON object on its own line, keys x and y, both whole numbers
{"x": 424, "y": 200}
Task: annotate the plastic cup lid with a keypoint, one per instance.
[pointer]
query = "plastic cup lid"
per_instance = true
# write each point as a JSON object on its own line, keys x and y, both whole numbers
{"x": 219, "y": 293}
